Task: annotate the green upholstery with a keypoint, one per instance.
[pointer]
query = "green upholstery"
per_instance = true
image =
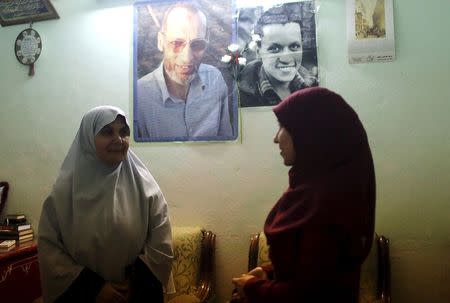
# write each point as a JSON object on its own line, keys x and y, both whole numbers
{"x": 263, "y": 249}
{"x": 192, "y": 265}
{"x": 186, "y": 264}
{"x": 375, "y": 271}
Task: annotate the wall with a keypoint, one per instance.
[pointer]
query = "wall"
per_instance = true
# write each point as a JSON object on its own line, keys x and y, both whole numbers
{"x": 229, "y": 187}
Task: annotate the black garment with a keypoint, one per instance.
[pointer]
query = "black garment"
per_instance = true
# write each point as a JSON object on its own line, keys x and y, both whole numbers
{"x": 84, "y": 289}
{"x": 145, "y": 287}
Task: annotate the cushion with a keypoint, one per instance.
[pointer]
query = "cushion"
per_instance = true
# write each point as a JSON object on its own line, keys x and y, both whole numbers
{"x": 263, "y": 249}
{"x": 186, "y": 263}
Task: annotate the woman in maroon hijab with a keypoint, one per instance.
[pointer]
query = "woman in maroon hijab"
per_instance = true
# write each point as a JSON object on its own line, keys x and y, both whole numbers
{"x": 321, "y": 229}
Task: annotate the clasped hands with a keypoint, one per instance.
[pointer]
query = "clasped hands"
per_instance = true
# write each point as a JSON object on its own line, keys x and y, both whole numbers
{"x": 240, "y": 282}
{"x": 114, "y": 293}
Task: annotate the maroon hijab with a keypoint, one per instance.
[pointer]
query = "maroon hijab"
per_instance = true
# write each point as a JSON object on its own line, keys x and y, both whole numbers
{"x": 332, "y": 181}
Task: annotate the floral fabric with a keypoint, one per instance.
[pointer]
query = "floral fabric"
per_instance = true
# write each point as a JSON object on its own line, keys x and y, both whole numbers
{"x": 186, "y": 263}
{"x": 263, "y": 250}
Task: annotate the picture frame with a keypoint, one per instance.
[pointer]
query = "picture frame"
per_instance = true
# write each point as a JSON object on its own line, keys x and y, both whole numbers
{"x": 14, "y": 12}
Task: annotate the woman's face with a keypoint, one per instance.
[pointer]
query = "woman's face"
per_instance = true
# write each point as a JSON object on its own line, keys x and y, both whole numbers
{"x": 112, "y": 142}
{"x": 281, "y": 50}
{"x": 284, "y": 141}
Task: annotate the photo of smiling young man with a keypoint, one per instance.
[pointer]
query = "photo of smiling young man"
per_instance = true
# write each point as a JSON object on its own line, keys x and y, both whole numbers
{"x": 182, "y": 98}
{"x": 286, "y": 55}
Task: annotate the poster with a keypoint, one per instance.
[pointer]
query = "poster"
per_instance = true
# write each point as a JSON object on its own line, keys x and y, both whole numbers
{"x": 181, "y": 89}
{"x": 278, "y": 40}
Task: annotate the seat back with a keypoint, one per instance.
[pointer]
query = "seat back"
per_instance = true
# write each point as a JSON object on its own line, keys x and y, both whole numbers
{"x": 192, "y": 267}
{"x": 259, "y": 250}
{"x": 375, "y": 283}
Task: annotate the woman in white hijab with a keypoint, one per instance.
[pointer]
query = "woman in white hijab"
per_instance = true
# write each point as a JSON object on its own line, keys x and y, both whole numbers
{"x": 104, "y": 231}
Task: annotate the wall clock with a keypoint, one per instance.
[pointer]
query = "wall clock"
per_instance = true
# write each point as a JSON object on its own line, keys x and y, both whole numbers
{"x": 28, "y": 48}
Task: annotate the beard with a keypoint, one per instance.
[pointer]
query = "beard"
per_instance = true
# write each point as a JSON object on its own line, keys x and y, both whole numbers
{"x": 181, "y": 75}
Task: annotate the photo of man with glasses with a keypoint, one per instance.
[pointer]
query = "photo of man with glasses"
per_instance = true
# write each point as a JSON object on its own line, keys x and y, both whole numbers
{"x": 183, "y": 99}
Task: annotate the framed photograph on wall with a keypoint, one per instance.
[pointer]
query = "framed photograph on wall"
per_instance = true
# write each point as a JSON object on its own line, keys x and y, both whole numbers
{"x": 181, "y": 89}
{"x": 25, "y": 11}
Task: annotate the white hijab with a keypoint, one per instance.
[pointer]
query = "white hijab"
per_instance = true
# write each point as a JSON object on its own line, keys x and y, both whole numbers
{"x": 102, "y": 217}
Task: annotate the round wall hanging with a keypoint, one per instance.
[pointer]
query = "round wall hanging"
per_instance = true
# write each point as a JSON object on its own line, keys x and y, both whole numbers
{"x": 28, "y": 48}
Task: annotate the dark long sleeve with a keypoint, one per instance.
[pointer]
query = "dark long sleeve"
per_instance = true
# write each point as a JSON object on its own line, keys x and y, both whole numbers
{"x": 308, "y": 268}
{"x": 83, "y": 289}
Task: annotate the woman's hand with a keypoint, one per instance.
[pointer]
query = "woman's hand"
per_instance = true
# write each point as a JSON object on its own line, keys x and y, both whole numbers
{"x": 239, "y": 283}
{"x": 258, "y": 272}
{"x": 114, "y": 293}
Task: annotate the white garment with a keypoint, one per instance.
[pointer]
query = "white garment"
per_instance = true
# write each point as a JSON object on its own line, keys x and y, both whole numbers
{"x": 102, "y": 217}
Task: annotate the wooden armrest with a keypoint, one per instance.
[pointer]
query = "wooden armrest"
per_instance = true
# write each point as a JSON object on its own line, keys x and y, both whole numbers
{"x": 253, "y": 251}
{"x": 384, "y": 269}
{"x": 208, "y": 248}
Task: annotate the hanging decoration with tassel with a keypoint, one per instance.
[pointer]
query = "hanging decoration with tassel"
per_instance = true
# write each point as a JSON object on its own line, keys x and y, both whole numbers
{"x": 28, "y": 48}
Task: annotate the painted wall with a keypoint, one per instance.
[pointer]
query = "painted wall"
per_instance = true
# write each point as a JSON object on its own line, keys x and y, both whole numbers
{"x": 229, "y": 187}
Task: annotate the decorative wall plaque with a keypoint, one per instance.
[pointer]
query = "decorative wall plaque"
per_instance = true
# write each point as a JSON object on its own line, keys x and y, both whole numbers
{"x": 26, "y": 11}
{"x": 28, "y": 48}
